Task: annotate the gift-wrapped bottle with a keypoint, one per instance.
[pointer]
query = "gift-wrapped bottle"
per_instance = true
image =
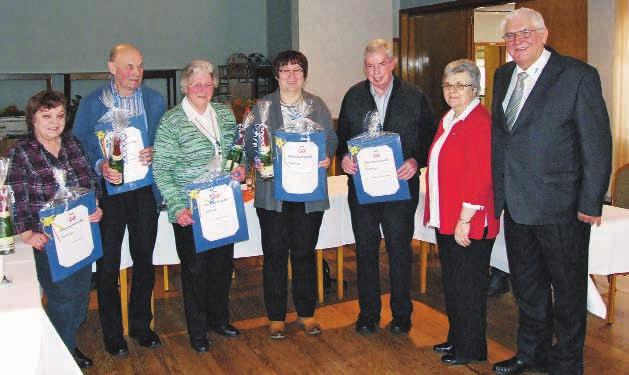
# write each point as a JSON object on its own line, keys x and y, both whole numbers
{"x": 264, "y": 143}
{"x": 7, "y": 240}
{"x": 116, "y": 160}
{"x": 234, "y": 157}
{"x": 265, "y": 154}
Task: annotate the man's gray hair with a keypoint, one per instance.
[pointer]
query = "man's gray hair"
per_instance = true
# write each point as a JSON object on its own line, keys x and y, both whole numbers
{"x": 464, "y": 66}
{"x": 196, "y": 66}
{"x": 534, "y": 16}
{"x": 377, "y": 44}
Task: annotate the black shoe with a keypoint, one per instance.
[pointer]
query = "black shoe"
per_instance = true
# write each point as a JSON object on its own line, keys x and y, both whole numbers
{"x": 401, "y": 326}
{"x": 226, "y": 330}
{"x": 147, "y": 339}
{"x": 81, "y": 359}
{"x": 498, "y": 283}
{"x": 366, "y": 326}
{"x": 514, "y": 365}
{"x": 200, "y": 344}
{"x": 444, "y": 348}
{"x": 117, "y": 347}
{"x": 452, "y": 360}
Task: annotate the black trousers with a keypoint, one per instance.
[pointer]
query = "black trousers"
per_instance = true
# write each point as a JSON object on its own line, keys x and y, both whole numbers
{"x": 205, "y": 281}
{"x": 542, "y": 257}
{"x": 294, "y": 232}
{"x": 136, "y": 210}
{"x": 398, "y": 224}
{"x": 464, "y": 275}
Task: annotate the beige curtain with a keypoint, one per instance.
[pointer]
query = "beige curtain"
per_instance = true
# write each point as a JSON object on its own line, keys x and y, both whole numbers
{"x": 620, "y": 86}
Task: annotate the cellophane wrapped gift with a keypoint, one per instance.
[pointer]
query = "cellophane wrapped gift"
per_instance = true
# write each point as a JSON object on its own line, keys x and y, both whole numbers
{"x": 7, "y": 239}
{"x": 218, "y": 211}
{"x": 262, "y": 141}
{"x": 121, "y": 137}
{"x": 378, "y": 154}
{"x": 299, "y": 146}
{"x": 236, "y": 152}
{"x": 73, "y": 241}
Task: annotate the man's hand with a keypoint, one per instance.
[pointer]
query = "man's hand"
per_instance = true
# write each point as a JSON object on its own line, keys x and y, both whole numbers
{"x": 408, "y": 169}
{"x": 111, "y": 175}
{"x": 146, "y": 156}
{"x": 592, "y": 220}
{"x": 348, "y": 165}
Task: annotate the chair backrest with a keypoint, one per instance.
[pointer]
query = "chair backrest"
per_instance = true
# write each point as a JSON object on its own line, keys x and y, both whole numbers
{"x": 620, "y": 187}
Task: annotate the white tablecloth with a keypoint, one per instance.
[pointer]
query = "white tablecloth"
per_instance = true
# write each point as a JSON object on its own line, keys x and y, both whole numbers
{"x": 607, "y": 243}
{"x": 29, "y": 344}
{"x": 336, "y": 230}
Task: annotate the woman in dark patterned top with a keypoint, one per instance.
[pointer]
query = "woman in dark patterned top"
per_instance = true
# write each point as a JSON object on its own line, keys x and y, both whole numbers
{"x": 31, "y": 177}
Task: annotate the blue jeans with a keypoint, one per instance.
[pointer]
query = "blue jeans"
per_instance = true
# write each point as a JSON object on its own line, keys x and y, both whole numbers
{"x": 67, "y": 298}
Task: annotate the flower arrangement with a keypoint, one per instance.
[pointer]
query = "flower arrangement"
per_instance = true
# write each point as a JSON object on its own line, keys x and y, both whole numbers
{"x": 240, "y": 106}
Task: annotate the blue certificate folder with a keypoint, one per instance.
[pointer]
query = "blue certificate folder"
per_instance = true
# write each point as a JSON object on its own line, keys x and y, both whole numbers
{"x": 224, "y": 213}
{"x": 378, "y": 188}
{"x": 60, "y": 267}
{"x": 314, "y": 187}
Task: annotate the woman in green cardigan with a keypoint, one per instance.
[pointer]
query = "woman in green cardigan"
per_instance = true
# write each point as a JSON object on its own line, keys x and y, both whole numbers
{"x": 188, "y": 137}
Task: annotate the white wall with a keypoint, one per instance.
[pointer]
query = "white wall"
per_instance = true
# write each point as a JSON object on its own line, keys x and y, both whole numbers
{"x": 76, "y": 35}
{"x": 332, "y": 34}
{"x": 487, "y": 27}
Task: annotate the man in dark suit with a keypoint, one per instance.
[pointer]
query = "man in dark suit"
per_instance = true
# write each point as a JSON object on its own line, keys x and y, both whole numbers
{"x": 551, "y": 149}
{"x": 404, "y": 110}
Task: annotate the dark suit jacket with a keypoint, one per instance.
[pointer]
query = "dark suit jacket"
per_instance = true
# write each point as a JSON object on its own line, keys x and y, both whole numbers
{"x": 557, "y": 159}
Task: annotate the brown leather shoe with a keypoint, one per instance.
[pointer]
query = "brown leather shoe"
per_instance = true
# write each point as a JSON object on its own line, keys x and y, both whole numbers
{"x": 310, "y": 325}
{"x": 276, "y": 330}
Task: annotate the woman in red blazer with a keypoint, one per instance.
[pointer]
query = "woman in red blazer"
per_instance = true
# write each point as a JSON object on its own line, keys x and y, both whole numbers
{"x": 459, "y": 205}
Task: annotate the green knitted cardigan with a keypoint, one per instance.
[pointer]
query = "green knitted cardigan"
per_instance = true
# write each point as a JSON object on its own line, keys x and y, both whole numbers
{"x": 182, "y": 153}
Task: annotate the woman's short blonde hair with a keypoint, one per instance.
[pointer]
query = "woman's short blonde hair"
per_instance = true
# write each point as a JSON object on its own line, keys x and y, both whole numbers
{"x": 196, "y": 66}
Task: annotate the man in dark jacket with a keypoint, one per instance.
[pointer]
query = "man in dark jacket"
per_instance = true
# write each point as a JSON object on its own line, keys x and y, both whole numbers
{"x": 134, "y": 208}
{"x": 551, "y": 151}
{"x": 404, "y": 110}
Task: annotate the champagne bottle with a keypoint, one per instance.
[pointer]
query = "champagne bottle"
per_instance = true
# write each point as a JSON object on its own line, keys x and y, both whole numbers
{"x": 7, "y": 240}
{"x": 234, "y": 157}
{"x": 116, "y": 161}
{"x": 265, "y": 154}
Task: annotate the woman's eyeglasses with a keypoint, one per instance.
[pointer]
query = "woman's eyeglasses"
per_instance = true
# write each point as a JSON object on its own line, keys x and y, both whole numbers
{"x": 459, "y": 86}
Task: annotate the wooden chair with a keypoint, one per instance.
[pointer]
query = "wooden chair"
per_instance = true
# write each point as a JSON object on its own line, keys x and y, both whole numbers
{"x": 620, "y": 198}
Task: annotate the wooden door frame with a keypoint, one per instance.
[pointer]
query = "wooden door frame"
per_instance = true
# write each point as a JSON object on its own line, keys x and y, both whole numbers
{"x": 404, "y": 25}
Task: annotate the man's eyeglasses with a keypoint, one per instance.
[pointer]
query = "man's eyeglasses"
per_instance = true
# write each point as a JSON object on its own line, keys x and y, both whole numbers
{"x": 291, "y": 71}
{"x": 459, "y": 86}
{"x": 522, "y": 34}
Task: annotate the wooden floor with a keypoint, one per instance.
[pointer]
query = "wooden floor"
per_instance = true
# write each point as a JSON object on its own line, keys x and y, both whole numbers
{"x": 339, "y": 350}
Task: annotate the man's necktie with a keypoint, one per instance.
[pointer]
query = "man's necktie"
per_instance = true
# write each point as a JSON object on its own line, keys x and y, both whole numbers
{"x": 514, "y": 101}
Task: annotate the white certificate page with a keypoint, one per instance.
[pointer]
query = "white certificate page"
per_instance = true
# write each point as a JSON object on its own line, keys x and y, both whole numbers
{"x": 300, "y": 172}
{"x": 377, "y": 170}
{"x": 73, "y": 236}
{"x": 217, "y": 211}
{"x": 133, "y": 168}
